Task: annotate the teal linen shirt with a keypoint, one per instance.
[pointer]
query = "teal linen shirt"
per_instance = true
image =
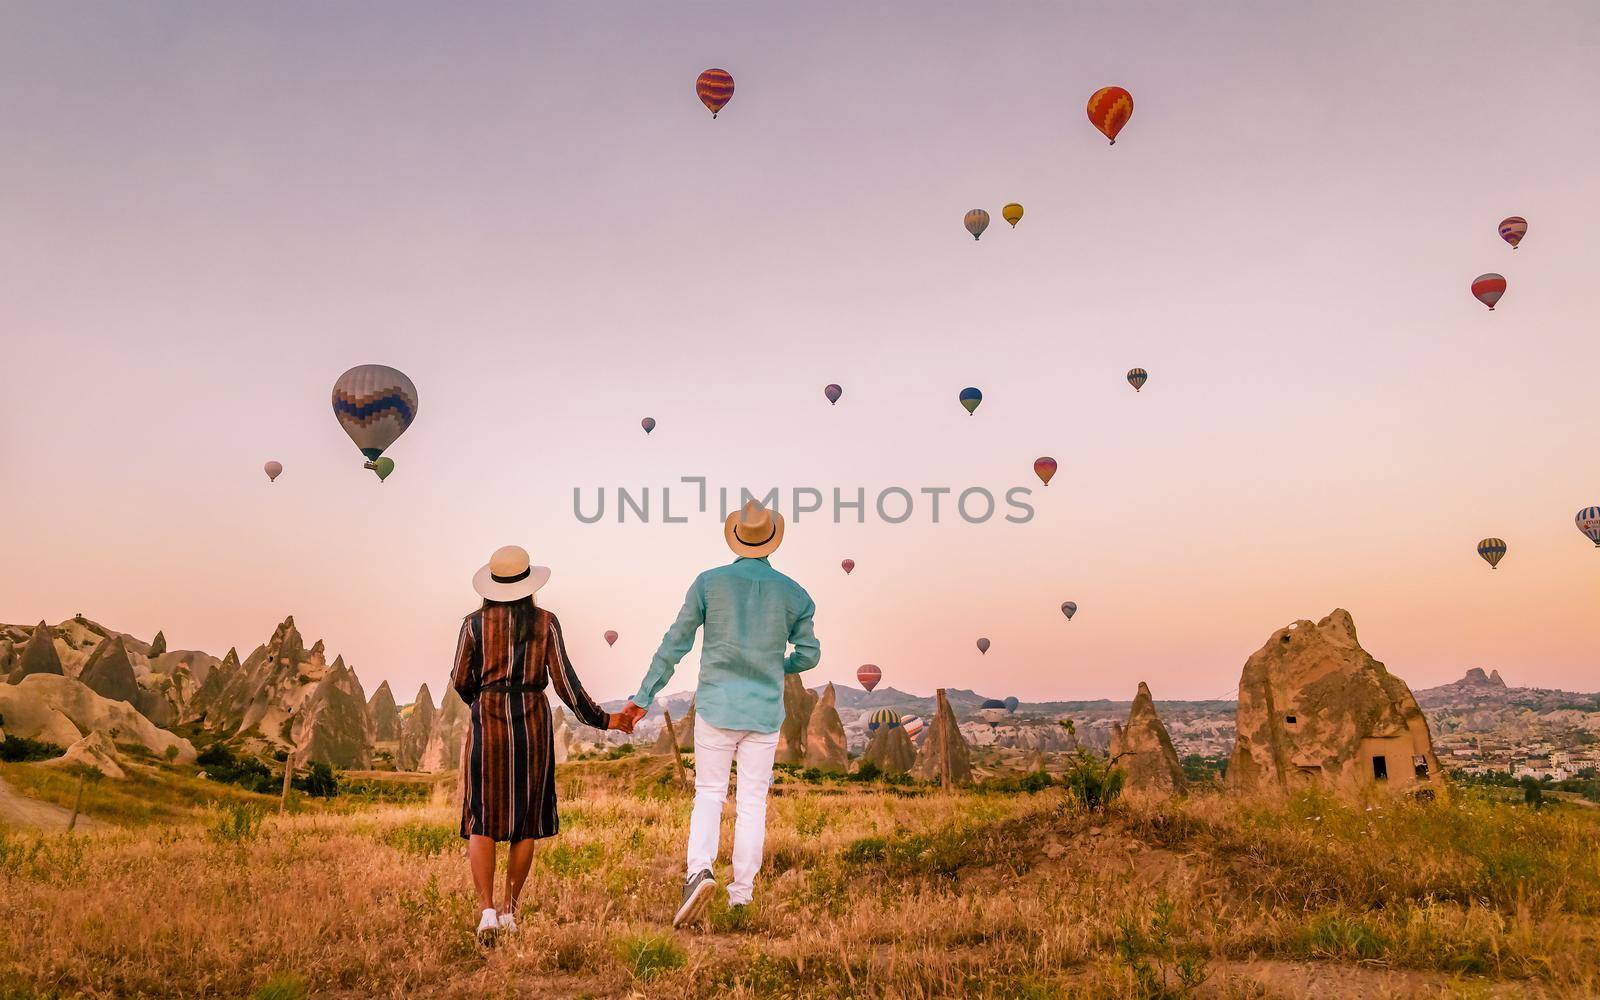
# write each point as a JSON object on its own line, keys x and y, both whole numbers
{"x": 751, "y": 613}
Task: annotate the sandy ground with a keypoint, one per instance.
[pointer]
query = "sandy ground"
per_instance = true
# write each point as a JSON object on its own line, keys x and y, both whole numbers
{"x": 19, "y": 810}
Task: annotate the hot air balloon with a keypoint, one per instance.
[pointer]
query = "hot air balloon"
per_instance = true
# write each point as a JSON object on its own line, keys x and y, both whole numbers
{"x": 611, "y": 637}
{"x": 715, "y": 88}
{"x": 383, "y": 467}
{"x": 1513, "y": 229}
{"x": 1012, "y": 213}
{"x": 983, "y": 645}
{"x": 869, "y": 675}
{"x": 1588, "y": 522}
{"x": 976, "y": 222}
{"x": 913, "y": 725}
{"x": 1069, "y": 608}
{"x": 970, "y": 398}
{"x": 1045, "y": 469}
{"x": 883, "y": 718}
{"x": 1487, "y": 288}
{"x": 1493, "y": 550}
{"x": 273, "y": 471}
{"x": 1012, "y": 702}
{"x": 992, "y": 711}
{"x": 374, "y": 404}
{"x": 847, "y": 565}
{"x": 1109, "y": 110}
{"x": 648, "y": 423}
{"x": 1137, "y": 378}
{"x": 833, "y": 391}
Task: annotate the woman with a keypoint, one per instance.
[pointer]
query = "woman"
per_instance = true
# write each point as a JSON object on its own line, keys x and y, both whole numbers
{"x": 508, "y": 652}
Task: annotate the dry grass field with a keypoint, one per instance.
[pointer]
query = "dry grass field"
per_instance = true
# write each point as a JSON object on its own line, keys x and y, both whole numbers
{"x": 870, "y": 890}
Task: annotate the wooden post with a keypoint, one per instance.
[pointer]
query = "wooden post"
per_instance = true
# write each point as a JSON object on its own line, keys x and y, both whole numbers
{"x": 677, "y": 755}
{"x": 944, "y": 739}
{"x": 77, "y": 806}
{"x": 288, "y": 777}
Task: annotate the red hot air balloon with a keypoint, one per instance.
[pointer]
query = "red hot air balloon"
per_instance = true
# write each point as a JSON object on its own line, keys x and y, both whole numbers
{"x": 611, "y": 637}
{"x": 715, "y": 88}
{"x": 869, "y": 675}
{"x": 1487, "y": 288}
{"x": 848, "y": 565}
{"x": 833, "y": 391}
{"x": 648, "y": 423}
{"x": 1044, "y": 468}
{"x": 983, "y": 645}
{"x": 1109, "y": 109}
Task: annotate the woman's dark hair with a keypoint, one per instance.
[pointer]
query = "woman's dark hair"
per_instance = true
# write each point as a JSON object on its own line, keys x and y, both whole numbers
{"x": 521, "y": 616}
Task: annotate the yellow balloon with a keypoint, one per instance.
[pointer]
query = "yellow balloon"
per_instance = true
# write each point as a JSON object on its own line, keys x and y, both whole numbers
{"x": 1012, "y": 213}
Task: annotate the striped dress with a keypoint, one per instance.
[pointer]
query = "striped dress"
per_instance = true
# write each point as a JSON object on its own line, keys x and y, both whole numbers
{"x": 509, "y": 770}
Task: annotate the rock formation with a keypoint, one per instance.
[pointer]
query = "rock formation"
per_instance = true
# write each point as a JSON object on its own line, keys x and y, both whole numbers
{"x": 683, "y": 728}
{"x": 331, "y": 725}
{"x": 798, "y": 704}
{"x": 216, "y": 680}
{"x": 39, "y": 656}
{"x": 561, "y": 735}
{"x": 891, "y": 750}
{"x": 158, "y": 645}
{"x": 1143, "y": 750}
{"x": 825, "y": 740}
{"x": 383, "y": 715}
{"x": 1034, "y": 762}
{"x": 62, "y": 710}
{"x": 93, "y": 751}
{"x": 944, "y": 750}
{"x": 109, "y": 672}
{"x": 415, "y": 730}
{"x": 8, "y": 657}
{"x": 1316, "y": 707}
{"x": 257, "y": 702}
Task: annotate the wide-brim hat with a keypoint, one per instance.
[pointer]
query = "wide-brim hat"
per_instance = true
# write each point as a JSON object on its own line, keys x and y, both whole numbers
{"x": 509, "y": 575}
{"x": 754, "y": 531}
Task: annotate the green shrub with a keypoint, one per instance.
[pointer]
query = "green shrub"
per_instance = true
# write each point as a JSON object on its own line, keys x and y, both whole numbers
{"x": 1035, "y": 781}
{"x": 221, "y": 764}
{"x": 867, "y": 771}
{"x": 568, "y": 861}
{"x": 649, "y": 955}
{"x": 17, "y": 749}
{"x": 1095, "y": 783}
{"x": 283, "y": 986}
{"x": 237, "y": 824}
{"x": 319, "y": 782}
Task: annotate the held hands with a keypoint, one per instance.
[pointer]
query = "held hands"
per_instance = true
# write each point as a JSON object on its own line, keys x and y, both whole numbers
{"x": 626, "y": 719}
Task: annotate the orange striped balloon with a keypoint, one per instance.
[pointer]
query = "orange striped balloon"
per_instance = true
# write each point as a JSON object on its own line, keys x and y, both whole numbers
{"x": 715, "y": 88}
{"x": 1109, "y": 110}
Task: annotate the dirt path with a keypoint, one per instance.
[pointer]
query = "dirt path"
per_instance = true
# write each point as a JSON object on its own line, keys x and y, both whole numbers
{"x": 19, "y": 810}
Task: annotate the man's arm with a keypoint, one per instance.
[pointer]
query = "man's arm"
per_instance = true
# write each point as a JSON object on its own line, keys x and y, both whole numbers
{"x": 675, "y": 645}
{"x": 807, "y": 651}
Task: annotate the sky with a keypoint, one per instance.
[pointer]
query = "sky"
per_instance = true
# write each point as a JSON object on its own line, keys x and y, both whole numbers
{"x": 208, "y": 212}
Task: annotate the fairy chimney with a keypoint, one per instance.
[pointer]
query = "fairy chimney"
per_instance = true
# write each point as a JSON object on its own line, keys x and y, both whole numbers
{"x": 944, "y": 753}
{"x": 825, "y": 747}
{"x": 798, "y": 704}
{"x": 1316, "y": 708}
{"x": 1143, "y": 749}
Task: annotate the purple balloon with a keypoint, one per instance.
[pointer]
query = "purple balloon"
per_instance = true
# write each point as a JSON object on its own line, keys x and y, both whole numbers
{"x": 648, "y": 423}
{"x": 833, "y": 392}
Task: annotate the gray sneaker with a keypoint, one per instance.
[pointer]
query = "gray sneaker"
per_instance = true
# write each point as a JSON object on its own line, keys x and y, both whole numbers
{"x": 697, "y": 890}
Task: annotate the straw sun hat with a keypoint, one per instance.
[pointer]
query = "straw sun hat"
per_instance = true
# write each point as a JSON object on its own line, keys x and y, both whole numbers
{"x": 509, "y": 576}
{"x": 754, "y": 531}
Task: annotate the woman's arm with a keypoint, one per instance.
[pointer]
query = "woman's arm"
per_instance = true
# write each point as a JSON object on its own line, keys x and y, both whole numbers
{"x": 568, "y": 688}
{"x": 466, "y": 678}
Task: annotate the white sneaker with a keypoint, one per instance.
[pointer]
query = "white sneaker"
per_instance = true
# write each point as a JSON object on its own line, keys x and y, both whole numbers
{"x": 508, "y": 923}
{"x": 488, "y": 923}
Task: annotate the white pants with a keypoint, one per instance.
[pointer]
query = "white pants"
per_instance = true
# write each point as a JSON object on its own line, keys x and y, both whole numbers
{"x": 715, "y": 750}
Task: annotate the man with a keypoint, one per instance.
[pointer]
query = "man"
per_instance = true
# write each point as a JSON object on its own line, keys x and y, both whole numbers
{"x": 751, "y": 613}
